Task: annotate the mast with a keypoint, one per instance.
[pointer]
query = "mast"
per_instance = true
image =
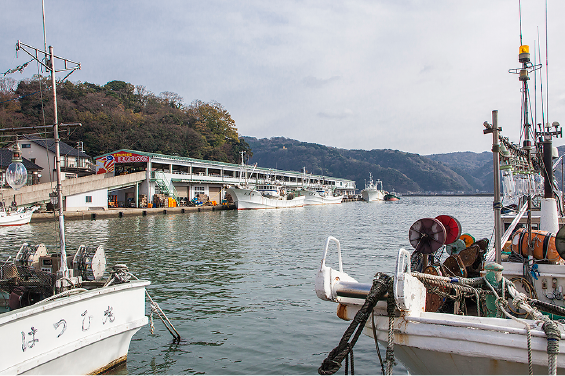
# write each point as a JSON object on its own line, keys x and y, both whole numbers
{"x": 497, "y": 205}
{"x": 63, "y": 270}
{"x": 70, "y": 66}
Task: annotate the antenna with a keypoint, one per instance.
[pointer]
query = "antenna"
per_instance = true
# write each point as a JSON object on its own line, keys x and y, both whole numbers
{"x": 44, "y": 34}
{"x": 546, "y": 67}
{"x": 520, "y": 16}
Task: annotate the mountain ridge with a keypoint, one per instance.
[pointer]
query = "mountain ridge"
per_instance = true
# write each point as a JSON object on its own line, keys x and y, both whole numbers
{"x": 404, "y": 172}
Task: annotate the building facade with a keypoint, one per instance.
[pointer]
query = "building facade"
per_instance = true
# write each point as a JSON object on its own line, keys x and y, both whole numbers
{"x": 41, "y": 151}
{"x": 186, "y": 178}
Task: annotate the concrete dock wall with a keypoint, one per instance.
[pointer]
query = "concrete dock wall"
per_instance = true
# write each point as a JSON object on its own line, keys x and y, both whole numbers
{"x": 124, "y": 212}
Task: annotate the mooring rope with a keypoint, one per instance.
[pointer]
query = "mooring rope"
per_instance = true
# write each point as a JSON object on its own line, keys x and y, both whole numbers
{"x": 332, "y": 363}
{"x": 373, "y": 326}
{"x": 390, "y": 310}
{"x": 121, "y": 274}
{"x": 155, "y": 308}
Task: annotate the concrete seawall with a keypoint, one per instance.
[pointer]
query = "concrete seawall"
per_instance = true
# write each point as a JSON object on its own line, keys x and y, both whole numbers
{"x": 124, "y": 212}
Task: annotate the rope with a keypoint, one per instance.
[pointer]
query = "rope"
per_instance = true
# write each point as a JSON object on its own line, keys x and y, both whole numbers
{"x": 122, "y": 275}
{"x": 151, "y": 325}
{"x": 155, "y": 308}
{"x": 377, "y": 343}
{"x": 64, "y": 294}
{"x": 332, "y": 363}
{"x": 553, "y": 336}
{"x": 520, "y": 302}
{"x": 441, "y": 286}
{"x": 390, "y": 310}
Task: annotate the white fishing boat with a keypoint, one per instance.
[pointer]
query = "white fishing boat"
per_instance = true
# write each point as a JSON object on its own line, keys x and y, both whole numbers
{"x": 474, "y": 312}
{"x": 248, "y": 197}
{"x": 62, "y": 315}
{"x": 319, "y": 197}
{"x": 264, "y": 194}
{"x": 437, "y": 342}
{"x": 18, "y": 217}
{"x": 373, "y": 191}
{"x": 80, "y": 331}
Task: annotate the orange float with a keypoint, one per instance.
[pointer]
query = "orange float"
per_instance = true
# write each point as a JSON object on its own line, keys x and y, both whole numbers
{"x": 543, "y": 244}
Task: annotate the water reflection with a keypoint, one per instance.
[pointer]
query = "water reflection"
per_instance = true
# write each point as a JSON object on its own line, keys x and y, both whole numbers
{"x": 239, "y": 285}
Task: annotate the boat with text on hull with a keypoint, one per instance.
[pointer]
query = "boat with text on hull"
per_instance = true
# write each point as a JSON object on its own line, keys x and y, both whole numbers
{"x": 373, "y": 191}
{"x": 61, "y": 315}
{"x": 472, "y": 312}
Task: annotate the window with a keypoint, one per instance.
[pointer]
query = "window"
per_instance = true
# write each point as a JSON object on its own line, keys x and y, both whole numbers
{"x": 88, "y": 198}
{"x": 26, "y": 146}
{"x": 32, "y": 160}
{"x": 199, "y": 191}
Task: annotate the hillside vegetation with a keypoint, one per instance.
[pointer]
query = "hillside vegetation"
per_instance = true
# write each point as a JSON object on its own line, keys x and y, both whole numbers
{"x": 400, "y": 171}
{"x": 120, "y": 115}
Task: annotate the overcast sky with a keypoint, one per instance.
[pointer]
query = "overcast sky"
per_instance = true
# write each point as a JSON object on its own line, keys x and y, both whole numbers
{"x": 417, "y": 76}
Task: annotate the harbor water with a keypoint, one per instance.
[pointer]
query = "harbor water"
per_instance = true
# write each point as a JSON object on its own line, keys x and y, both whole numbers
{"x": 239, "y": 285}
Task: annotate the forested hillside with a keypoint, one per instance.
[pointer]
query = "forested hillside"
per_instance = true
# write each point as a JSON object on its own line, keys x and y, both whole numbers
{"x": 120, "y": 115}
{"x": 400, "y": 171}
{"x": 476, "y": 168}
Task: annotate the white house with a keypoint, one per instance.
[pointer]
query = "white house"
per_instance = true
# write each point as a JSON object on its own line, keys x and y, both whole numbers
{"x": 41, "y": 151}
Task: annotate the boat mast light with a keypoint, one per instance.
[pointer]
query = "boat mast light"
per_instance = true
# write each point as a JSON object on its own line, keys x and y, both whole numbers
{"x": 16, "y": 173}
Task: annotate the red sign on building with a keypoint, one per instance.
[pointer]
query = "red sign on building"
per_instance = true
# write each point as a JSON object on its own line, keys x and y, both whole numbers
{"x": 106, "y": 164}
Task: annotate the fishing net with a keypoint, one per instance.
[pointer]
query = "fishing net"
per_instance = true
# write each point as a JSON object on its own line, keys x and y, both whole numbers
{"x": 24, "y": 284}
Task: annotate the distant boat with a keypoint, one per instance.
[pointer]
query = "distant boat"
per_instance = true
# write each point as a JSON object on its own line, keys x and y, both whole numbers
{"x": 18, "y": 217}
{"x": 263, "y": 197}
{"x": 391, "y": 196}
{"x": 373, "y": 191}
{"x": 319, "y": 197}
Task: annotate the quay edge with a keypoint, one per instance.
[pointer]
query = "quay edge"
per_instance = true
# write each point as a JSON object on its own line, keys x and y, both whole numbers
{"x": 125, "y": 212}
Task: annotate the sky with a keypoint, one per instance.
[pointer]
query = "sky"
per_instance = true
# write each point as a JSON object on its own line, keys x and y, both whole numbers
{"x": 419, "y": 76}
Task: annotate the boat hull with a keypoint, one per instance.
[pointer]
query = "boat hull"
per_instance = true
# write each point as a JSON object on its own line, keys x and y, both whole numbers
{"x": 80, "y": 334}
{"x": 372, "y": 195}
{"x": 246, "y": 199}
{"x": 314, "y": 198}
{"x": 16, "y": 218}
{"x": 435, "y": 343}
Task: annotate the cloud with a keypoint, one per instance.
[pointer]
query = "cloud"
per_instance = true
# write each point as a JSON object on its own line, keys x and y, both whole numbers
{"x": 339, "y": 114}
{"x": 435, "y": 69}
{"x": 314, "y": 82}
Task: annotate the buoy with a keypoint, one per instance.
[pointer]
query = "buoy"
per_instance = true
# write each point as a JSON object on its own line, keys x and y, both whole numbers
{"x": 543, "y": 244}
